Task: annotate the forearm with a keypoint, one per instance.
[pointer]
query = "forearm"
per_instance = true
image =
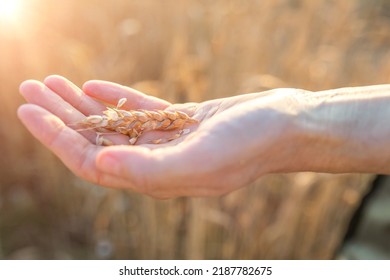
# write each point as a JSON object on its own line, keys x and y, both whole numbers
{"x": 345, "y": 130}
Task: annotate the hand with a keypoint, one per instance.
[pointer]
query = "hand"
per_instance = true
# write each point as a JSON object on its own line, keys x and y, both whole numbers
{"x": 237, "y": 139}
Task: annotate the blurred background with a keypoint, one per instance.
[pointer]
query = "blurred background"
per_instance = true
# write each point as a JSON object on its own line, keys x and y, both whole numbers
{"x": 181, "y": 51}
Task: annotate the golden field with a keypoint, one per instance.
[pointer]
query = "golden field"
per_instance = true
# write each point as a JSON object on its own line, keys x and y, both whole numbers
{"x": 181, "y": 51}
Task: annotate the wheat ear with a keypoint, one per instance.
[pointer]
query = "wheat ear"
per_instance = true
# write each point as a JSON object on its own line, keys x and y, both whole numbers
{"x": 135, "y": 122}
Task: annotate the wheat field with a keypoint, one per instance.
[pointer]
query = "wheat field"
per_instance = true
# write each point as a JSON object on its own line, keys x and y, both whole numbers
{"x": 181, "y": 51}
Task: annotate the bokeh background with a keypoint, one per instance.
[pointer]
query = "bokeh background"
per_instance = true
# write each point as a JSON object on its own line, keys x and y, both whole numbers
{"x": 182, "y": 51}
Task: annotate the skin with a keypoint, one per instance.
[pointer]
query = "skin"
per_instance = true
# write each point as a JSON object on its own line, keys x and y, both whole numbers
{"x": 237, "y": 139}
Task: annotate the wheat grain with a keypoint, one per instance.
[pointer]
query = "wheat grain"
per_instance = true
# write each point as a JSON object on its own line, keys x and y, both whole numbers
{"x": 134, "y": 123}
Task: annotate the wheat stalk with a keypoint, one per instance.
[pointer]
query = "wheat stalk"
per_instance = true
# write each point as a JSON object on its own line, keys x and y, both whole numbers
{"x": 135, "y": 122}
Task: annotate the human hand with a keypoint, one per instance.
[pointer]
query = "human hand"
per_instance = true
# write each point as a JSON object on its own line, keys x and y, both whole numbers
{"x": 236, "y": 140}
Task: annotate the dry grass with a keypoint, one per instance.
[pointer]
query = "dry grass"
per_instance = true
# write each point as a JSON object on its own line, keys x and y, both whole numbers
{"x": 182, "y": 51}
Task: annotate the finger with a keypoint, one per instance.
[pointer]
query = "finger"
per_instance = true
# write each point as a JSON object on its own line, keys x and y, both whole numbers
{"x": 134, "y": 168}
{"x": 85, "y": 104}
{"x": 166, "y": 172}
{"x": 74, "y": 150}
{"x": 111, "y": 93}
{"x": 74, "y": 95}
{"x": 37, "y": 93}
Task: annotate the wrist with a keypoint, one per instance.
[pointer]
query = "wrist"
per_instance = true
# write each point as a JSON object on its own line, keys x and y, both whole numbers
{"x": 342, "y": 131}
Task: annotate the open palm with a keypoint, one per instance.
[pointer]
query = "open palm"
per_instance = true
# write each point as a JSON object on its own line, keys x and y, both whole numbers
{"x": 215, "y": 158}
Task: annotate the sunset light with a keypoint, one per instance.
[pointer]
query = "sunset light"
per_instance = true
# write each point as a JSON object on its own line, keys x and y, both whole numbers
{"x": 10, "y": 10}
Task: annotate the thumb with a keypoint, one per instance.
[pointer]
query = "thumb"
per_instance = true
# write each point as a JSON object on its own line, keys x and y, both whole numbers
{"x": 145, "y": 168}
{"x": 128, "y": 162}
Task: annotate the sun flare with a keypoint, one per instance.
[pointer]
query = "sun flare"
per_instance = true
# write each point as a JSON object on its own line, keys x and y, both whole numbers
{"x": 10, "y": 10}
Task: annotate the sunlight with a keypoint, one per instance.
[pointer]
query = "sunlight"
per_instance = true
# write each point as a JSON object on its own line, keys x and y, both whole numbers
{"x": 10, "y": 10}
